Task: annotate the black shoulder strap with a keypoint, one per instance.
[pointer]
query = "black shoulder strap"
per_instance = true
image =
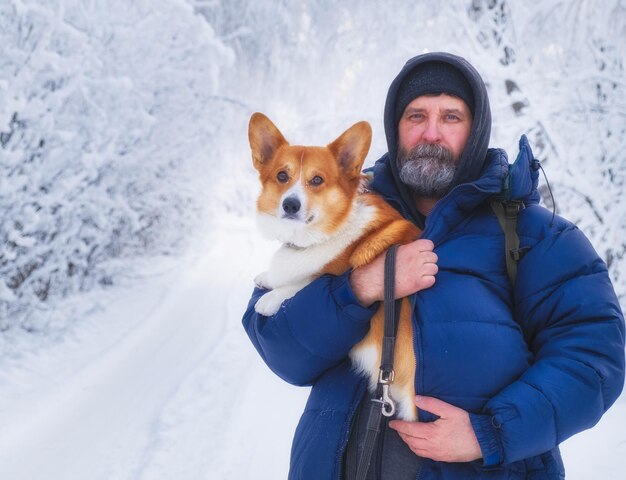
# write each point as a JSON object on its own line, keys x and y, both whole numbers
{"x": 507, "y": 212}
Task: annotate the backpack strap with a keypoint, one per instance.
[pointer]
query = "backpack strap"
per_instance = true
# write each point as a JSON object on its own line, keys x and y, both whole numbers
{"x": 507, "y": 212}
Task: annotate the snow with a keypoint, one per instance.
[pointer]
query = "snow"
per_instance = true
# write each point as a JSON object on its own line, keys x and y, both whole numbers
{"x": 166, "y": 391}
{"x": 127, "y": 239}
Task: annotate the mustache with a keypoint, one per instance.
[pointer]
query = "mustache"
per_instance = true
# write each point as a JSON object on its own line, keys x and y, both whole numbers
{"x": 430, "y": 151}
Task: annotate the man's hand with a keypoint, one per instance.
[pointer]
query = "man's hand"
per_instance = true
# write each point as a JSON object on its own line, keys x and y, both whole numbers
{"x": 416, "y": 267}
{"x": 451, "y": 438}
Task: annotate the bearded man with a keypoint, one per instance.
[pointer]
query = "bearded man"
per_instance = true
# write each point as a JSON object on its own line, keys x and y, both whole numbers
{"x": 505, "y": 371}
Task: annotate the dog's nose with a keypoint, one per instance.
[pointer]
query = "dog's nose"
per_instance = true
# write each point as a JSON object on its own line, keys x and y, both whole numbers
{"x": 291, "y": 205}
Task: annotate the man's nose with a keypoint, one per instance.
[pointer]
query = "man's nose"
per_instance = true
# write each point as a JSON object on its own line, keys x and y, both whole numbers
{"x": 431, "y": 133}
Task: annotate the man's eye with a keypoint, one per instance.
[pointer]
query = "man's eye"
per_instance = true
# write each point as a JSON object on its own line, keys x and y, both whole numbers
{"x": 452, "y": 118}
{"x": 317, "y": 180}
{"x": 282, "y": 176}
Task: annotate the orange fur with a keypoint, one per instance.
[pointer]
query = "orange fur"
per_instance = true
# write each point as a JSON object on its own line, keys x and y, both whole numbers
{"x": 388, "y": 228}
{"x": 339, "y": 165}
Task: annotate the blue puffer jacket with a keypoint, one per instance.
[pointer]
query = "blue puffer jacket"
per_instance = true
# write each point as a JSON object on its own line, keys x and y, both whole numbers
{"x": 533, "y": 366}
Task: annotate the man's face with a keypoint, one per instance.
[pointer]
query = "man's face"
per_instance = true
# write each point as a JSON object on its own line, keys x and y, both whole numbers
{"x": 443, "y": 119}
{"x": 432, "y": 134}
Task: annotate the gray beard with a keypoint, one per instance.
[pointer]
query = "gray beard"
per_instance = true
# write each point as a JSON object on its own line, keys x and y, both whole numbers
{"x": 427, "y": 169}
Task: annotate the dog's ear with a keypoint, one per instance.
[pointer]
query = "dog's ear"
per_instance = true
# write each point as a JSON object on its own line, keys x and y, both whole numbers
{"x": 351, "y": 148}
{"x": 265, "y": 139}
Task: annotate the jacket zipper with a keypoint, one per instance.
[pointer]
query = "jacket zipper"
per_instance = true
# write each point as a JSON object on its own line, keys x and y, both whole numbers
{"x": 419, "y": 469}
{"x": 417, "y": 340}
{"x": 342, "y": 449}
{"x": 380, "y": 449}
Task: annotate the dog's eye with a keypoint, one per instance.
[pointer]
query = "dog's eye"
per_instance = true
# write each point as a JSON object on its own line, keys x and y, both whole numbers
{"x": 282, "y": 176}
{"x": 317, "y": 180}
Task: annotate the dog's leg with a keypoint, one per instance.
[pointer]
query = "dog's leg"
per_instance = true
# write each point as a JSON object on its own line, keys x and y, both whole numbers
{"x": 270, "y": 303}
{"x": 289, "y": 266}
{"x": 262, "y": 280}
{"x": 366, "y": 359}
{"x": 405, "y": 364}
{"x": 405, "y": 402}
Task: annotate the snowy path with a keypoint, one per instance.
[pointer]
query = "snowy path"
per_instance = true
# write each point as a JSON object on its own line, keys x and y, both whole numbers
{"x": 186, "y": 359}
{"x": 164, "y": 385}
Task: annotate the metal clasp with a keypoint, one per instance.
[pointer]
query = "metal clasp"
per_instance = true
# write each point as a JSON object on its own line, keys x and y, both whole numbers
{"x": 388, "y": 406}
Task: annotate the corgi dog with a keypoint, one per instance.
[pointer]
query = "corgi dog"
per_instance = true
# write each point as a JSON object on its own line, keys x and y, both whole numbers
{"x": 313, "y": 201}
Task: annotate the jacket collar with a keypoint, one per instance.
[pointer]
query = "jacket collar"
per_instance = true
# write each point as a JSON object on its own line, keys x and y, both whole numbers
{"x": 498, "y": 179}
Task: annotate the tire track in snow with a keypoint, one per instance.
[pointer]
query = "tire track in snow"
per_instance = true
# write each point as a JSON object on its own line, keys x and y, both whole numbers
{"x": 98, "y": 423}
{"x": 213, "y": 427}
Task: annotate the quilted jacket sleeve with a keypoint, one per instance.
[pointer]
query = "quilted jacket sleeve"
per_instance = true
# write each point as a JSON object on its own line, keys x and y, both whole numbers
{"x": 574, "y": 326}
{"x": 312, "y": 331}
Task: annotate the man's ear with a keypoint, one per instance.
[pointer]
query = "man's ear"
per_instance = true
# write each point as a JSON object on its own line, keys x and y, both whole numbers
{"x": 351, "y": 148}
{"x": 265, "y": 139}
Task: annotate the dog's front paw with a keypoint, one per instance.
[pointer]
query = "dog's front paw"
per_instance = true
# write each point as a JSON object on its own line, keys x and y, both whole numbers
{"x": 262, "y": 281}
{"x": 269, "y": 303}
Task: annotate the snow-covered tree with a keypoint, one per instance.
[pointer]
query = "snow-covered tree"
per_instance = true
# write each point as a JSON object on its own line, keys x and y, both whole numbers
{"x": 107, "y": 111}
{"x": 562, "y": 82}
{"x": 123, "y": 125}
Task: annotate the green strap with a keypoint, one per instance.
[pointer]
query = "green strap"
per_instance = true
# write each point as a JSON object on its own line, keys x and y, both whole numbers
{"x": 507, "y": 217}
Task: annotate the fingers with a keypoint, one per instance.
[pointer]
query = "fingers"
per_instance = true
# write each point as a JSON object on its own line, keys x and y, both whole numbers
{"x": 423, "y": 245}
{"x": 436, "y": 406}
{"x": 429, "y": 268}
{"x": 419, "y": 446}
{"x": 422, "y": 249}
{"x": 418, "y": 437}
{"x": 422, "y": 448}
{"x": 451, "y": 438}
{"x": 419, "y": 251}
{"x": 428, "y": 257}
{"x": 416, "y": 267}
{"x": 412, "y": 429}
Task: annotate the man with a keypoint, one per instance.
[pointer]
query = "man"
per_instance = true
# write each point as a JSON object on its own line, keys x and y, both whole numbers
{"x": 504, "y": 373}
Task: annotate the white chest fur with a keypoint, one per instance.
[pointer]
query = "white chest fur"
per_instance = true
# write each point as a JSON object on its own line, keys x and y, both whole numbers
{"x": 291, "y": 269}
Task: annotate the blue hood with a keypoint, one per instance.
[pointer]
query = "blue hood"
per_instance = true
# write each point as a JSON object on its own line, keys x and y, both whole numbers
{"x": 474, "y": 156}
